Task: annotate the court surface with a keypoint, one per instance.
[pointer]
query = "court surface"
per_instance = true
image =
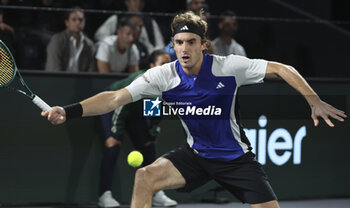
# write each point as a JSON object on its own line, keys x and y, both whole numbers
{"x": 322, "y": 203}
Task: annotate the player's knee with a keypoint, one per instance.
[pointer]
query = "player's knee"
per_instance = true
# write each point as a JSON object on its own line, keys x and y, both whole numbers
{"x": 143, "y": 178}
{"x": 144, "y": 175}
{"x": 147, "y": 177}
{"x": 112, "y": 142}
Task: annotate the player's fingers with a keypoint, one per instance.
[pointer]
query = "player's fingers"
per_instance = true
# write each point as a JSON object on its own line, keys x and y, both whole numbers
{"x": 342, "y": 114}
{"x": 61, "y": 121}
{"x": 335, "y": 116}
{"x": 55, "y": 121}
{"x": 59, "y": 118}
{"x": 314, "y": 118}
{"x": 328, "y": 121}
{"x": 44, "y": 113}
{"x": 49, "y": 116}
{"x": 52, "y": 115}
{"x": 337, "y": 111}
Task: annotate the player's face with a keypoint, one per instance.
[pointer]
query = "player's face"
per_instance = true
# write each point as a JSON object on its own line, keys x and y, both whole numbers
{"x": 75, "y": 22}
{"x": 189, "y": 50}
{"x": 126, "y": 35}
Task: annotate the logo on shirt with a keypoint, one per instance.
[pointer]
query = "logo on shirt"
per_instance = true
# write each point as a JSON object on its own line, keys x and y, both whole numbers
{"x": 145, "y": 78}
{"x": 220, "y": 85}
{"x": 184, "y": 28}
{"x": 151, "y": 107}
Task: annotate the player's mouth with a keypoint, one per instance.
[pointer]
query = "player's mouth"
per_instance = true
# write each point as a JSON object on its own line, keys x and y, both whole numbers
{"x": 185, "y": 58}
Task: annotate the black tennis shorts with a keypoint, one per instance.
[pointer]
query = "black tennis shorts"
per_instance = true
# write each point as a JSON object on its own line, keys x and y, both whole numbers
{"x": 244, "y": 177}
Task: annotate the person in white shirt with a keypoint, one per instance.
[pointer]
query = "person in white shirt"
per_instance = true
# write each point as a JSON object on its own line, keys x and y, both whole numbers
{"x": 71, "y": 50}
{"x": 225, "y": 45}
{"x": 151, "y": 35}
{"x": 117, "y": 53}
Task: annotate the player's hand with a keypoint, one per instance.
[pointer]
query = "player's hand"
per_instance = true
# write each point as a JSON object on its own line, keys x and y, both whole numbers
{"x": 326, "y": 111}
{"x": 57, "y": 115}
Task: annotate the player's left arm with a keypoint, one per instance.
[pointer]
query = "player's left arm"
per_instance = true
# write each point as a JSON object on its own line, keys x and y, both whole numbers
{"x": 318, "y": 107}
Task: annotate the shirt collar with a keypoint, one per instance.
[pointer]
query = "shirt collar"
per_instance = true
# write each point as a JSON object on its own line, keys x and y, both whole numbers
{"x": 72, "y": 38}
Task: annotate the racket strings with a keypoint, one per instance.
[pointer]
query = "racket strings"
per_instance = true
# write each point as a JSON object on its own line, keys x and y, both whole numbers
{"x": 7, "y": 68}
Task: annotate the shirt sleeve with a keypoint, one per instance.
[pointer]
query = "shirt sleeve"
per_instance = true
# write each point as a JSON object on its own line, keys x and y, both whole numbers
{"x": 247, "y": 71}
{"x": 150, "y": 84}
{"x": 102, "y": 52}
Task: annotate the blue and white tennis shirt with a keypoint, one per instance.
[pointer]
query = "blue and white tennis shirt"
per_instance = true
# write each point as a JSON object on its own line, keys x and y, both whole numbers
{"x": 210, "y": 136}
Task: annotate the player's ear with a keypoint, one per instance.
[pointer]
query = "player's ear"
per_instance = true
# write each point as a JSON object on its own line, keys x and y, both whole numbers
{"x": 204, "y": 45}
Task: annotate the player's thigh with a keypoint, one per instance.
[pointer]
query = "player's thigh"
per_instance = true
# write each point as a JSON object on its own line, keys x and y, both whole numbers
{"x": 270, "y": 204}
{"x": 164, "y": 175}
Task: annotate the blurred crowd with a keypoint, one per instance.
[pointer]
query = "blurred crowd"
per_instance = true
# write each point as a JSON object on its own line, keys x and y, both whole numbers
{"x": 82, "y": 41}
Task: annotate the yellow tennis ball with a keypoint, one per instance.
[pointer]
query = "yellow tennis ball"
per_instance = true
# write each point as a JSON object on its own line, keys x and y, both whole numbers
{"x": 135, "y": 159}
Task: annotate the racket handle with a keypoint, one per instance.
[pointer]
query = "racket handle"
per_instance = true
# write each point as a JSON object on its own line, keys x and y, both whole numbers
{"x": 41, "y": 104}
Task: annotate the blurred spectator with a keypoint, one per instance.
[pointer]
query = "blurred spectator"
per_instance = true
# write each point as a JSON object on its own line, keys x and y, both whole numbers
{"x": 71, "y": 50}
{"x": 195, "y": 5}
{"x": 151, "y": 35}
{"x": 142, "y": 49}
{"x": 117, "y": 53}
{"x": 3, "y": 25}
{"x": 7, "y": 33}
{"x": 225, "y": 44}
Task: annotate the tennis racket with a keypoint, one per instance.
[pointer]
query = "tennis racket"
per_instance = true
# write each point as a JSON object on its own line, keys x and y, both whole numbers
{"x": 8, "y": 74}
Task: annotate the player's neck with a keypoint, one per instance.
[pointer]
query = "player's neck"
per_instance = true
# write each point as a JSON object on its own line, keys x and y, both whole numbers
{"x": 194, "y": 70}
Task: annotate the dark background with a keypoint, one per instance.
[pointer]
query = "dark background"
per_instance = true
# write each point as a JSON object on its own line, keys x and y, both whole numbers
{"x": 296, "y": 35}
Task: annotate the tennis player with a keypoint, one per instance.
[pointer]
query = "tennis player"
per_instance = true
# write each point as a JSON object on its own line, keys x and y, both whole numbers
{"x": 217, "y": 148}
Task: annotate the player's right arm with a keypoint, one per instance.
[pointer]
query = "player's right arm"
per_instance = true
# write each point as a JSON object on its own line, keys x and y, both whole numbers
{"x": 105, "y": 102}
{"x": 150, "y": 84}
{"x": 99, "y": 104}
